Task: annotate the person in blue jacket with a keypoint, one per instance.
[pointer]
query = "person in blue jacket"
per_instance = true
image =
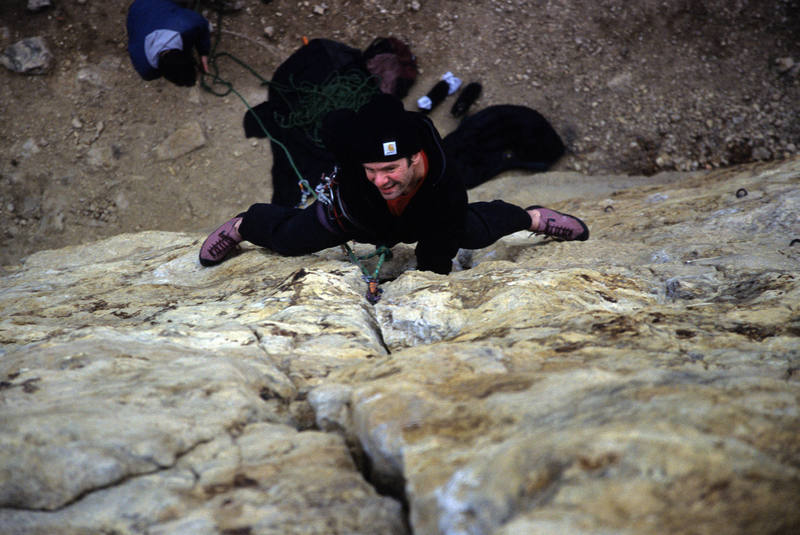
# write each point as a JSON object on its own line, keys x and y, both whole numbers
{"x": 161, "y": 38}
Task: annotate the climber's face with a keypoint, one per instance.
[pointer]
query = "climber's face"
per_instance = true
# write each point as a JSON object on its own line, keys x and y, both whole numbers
{"x": 395, "y": 178}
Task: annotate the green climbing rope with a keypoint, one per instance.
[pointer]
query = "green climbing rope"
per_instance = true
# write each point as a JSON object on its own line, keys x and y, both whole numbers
{"x": 217, "y": 80}
{"x": 381, "y": 251}
{"x": 341, "y": 90}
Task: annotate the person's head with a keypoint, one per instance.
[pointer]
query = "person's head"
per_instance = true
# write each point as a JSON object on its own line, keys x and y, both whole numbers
{"x": 395, "y": 178}
{"x": 177, "y": 66}
{"x": 386, "y": 141}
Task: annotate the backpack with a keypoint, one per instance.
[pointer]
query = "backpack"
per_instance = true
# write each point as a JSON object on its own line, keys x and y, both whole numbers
{"x": 500, "y": 138}
{"x": 393, "y": 63}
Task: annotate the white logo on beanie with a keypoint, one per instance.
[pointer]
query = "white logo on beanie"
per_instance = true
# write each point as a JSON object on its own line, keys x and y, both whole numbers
{"x": 390, "y": 148}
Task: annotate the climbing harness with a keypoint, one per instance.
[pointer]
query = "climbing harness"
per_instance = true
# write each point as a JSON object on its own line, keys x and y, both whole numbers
{"x": 339, "y": 91}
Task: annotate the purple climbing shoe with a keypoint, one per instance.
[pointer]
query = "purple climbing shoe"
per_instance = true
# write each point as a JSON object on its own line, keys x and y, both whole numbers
{"x": 560, "y": 226}
{"x": 220, "y": 243}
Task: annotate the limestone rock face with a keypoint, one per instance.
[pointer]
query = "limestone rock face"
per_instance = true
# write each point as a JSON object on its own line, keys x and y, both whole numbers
{"x": 642, "y": 382}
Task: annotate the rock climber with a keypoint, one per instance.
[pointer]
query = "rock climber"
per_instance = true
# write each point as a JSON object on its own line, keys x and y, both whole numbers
{"x": 162, "y": 37}
{"x": 393, "y": 185}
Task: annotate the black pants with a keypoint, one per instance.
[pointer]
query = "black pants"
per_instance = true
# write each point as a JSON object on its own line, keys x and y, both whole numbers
{"x": 300, "y": 231}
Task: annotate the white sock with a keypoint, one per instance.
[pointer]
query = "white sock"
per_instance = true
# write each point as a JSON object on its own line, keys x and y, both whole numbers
{"x": 452, "y": 81}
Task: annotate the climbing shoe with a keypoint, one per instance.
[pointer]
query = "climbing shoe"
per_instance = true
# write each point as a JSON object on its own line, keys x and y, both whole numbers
{"x": 559, "y": 226}
{"x": 220, "y": 243}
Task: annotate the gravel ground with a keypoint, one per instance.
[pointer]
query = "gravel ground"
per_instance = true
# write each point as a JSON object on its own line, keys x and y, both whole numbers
{"x": 633, "y": 90}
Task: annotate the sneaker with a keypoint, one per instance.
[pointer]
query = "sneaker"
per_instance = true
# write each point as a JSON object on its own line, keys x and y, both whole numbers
{"x": 466, "y": 99}
{"x": 560, "y": 226}
{"x": 220, "y": 243}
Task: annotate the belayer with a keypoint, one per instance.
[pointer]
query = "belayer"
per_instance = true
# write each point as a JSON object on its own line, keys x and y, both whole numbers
{"x": 162, "y": 37}
{"x": 393, "y": 185}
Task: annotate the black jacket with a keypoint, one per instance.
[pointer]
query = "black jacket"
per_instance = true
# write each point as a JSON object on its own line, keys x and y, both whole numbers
{"x": 434, "y": 218}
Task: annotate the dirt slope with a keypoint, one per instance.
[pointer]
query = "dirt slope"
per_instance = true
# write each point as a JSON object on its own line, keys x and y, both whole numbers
{"x": 634, "y": 88}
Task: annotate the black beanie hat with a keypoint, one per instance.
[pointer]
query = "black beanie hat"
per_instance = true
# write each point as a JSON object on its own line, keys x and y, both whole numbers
{"x": 177, "y": 66}
{"x": 382, "y": 130}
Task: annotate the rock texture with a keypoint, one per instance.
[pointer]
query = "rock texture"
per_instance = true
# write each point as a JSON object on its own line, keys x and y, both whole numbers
{"x": 642, "y": 382}
{"x": 29, "y": 56}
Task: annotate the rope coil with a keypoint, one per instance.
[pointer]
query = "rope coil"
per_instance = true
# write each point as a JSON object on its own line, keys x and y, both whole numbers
{"x": 340, "y": 90}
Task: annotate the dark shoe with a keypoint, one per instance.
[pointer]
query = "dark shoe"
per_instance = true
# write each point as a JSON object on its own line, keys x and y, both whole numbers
{"x": 560, "y": 226}
{"x": 220, "y": 243}
{"x": 467, "y": 97}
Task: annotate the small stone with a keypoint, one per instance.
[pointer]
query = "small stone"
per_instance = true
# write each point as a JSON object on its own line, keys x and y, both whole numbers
{"x": 101, "y": 157}
{"x": 29, "y": 56}
{"x": 784, "y": 64}
{"x": 29, "y": 148}
{"x": 121, "y": 201}
{"x": 761, "y": 153}
{"x": 194, "y": 95}
{"x": 182, "y": 141}
{"x": 56, "y": 222}
{"x": 91, "y": 76}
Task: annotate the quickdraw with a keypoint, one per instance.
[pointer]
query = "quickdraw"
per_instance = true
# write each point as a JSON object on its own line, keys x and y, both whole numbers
{"x": 373, "y": 292}
{"x": 325, "y": 193}
{"x": 383, "y": 253}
